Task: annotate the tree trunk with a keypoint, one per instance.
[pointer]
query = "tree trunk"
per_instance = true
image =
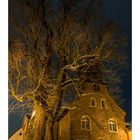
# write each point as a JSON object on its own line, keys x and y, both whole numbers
{"x": 49, "y": 129}
{"x": 36, "y": 130}
{"x": 39, "y": 123}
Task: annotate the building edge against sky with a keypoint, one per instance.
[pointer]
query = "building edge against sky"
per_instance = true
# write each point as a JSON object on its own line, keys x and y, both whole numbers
{"x": 94, "y": 116}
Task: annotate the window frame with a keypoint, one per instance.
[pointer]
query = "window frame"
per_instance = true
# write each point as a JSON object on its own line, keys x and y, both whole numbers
{"x": 101, "y": 103}
{"x": 95, "y": 103}
{"x": 112, "y": 123}
{"x": 81, "y": 121}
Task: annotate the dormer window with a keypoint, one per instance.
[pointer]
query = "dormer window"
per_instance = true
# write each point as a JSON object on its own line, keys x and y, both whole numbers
{"x": 112, "y": 125}
{"x": 93, "y": 102}
{"x": 85, "y": 123}
{"x": 103, "y": 103}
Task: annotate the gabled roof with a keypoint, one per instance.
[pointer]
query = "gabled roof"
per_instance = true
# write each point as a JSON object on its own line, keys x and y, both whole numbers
{"x": 103, "y": 92}
{"x": 62, "y": 113}
{"x": 115, "y": 105}
{"x": 18, "y": 135}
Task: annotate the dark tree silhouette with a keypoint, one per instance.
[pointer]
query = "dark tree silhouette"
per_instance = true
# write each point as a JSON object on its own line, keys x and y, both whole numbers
{"x": 54, "y": 47}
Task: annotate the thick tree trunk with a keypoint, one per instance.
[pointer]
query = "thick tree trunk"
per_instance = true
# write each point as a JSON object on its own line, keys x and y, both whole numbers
{"x": 36, "y": 130}
{"x": 49, "y": 130}
{"x": 39, "y": 123}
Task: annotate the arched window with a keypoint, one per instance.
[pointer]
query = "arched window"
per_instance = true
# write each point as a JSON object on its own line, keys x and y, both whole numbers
{"x": 85, "y": 122}
{"x": 93, "y": 102}
{"x": 103, "y": 103}
{"x": 112, "y": 125}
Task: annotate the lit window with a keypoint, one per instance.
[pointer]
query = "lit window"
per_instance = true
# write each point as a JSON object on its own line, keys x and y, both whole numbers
{"x": 93, "y": 102}
{"x": 112, "y": 126}
{"x": 103, "y": 103}
{"x": 85, "y": 122}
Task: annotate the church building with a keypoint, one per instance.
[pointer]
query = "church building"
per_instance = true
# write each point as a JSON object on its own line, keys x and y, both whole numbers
{"x": 94, "y": 116}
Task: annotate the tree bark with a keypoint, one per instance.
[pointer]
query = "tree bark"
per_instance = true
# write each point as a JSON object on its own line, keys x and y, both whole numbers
{"x": 39, "y": 123}
{"x": 49, "y": 129}
{"x": 36, "y": 130}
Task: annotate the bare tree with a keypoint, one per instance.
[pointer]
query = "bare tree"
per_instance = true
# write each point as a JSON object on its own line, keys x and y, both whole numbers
{"x": 52, "y": 48}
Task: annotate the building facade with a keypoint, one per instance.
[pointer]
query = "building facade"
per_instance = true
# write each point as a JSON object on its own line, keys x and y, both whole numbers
{"x": 95, "y": 116}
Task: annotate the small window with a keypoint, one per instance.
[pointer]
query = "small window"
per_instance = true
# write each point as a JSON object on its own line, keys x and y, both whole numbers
{"x": 20, "y": 133}
{"x": 112, "y": 126}
{"x": 103, "y": 103}
{"x": 93, "y": 102}
{"x": 85, "y": 123}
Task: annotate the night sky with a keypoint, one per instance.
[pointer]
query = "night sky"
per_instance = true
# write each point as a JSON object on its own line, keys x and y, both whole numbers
{"x": 120, "y": 12}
